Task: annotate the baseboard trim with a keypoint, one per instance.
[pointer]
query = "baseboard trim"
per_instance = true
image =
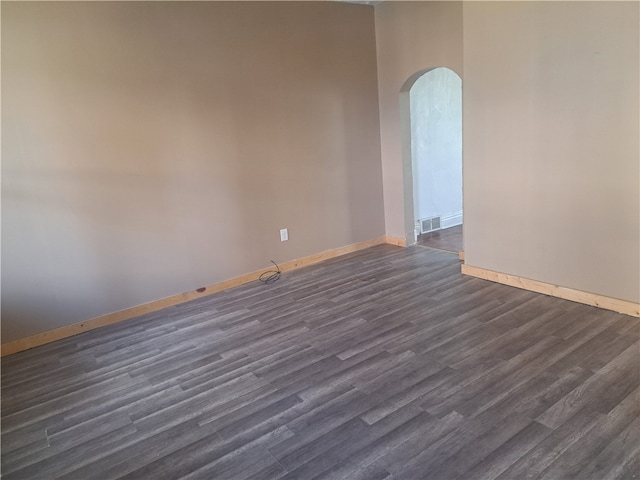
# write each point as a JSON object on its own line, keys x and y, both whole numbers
{"x": 461, "y": 255}
{"x": 129, "y": 313}
{"x": 451, "y": 220}
{"x": 397, "y": 241}
{"x": 607, "y": 303}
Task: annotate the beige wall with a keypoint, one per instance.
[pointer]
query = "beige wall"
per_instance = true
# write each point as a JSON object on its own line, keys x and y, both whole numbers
{"x": 152, "y": 148}
{"x": 551, "y": 156}
{"x": 410, "y": 37}
{"x": 551, "y": 148}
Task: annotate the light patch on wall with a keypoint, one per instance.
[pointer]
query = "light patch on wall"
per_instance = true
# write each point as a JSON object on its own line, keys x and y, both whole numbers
{"x": 436, "y": 145}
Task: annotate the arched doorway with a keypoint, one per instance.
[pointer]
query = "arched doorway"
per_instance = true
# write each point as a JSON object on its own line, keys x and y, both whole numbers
{"x": 431, "y": 107}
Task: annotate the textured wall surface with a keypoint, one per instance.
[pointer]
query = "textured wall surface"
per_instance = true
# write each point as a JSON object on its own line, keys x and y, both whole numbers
{"x": 436, "y": 144}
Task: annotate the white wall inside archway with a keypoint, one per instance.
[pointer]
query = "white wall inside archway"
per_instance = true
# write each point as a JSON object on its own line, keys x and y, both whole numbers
{"x": 436, "y": 146}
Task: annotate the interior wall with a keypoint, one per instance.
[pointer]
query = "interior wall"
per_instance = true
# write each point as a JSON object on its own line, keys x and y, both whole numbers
{"x": 551, "y": 143}
{"x": 410, "y": 37}
{"x": 151, "y": 148}
{"x": 436, "y": 146}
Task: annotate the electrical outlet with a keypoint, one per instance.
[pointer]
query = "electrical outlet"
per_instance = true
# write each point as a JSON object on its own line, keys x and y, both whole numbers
{"x": 284, "y": 234}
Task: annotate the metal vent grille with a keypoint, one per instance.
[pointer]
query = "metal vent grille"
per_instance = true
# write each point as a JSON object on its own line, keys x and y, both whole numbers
{"x": 430, "y": 224}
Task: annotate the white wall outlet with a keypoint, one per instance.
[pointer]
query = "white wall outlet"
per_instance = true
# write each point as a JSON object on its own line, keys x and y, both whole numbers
{"x": 284, "y": 234}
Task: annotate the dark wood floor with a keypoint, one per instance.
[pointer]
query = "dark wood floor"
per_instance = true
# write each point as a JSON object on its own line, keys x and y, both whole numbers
{"x": 448, "y": 239}
{"x": 383, "y": 364}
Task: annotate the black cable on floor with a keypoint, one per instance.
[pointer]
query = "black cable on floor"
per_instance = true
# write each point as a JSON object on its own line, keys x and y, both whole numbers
{"x": 270, "y": 276}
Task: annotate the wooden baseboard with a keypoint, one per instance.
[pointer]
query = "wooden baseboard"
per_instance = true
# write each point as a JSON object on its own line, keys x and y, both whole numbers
{"x": 110, "y": 318}
{"x": 399, "y": 242}
{"x": 461, "y": 255}
{"x": 608, "y": 303}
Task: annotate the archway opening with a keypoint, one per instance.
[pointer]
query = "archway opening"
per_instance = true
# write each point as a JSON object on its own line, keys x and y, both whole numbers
{"x": 431, "y": 102}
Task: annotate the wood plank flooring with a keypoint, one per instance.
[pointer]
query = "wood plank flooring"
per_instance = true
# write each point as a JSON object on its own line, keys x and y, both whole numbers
{"x": 448, "y": 239}
{"x": 382, "y": 364}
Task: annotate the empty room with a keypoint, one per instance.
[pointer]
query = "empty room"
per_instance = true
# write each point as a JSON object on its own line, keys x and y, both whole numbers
{"x": 212, "y": 264}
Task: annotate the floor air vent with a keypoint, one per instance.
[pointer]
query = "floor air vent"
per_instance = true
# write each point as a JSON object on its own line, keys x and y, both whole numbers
{"x": 429, "y": 224}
